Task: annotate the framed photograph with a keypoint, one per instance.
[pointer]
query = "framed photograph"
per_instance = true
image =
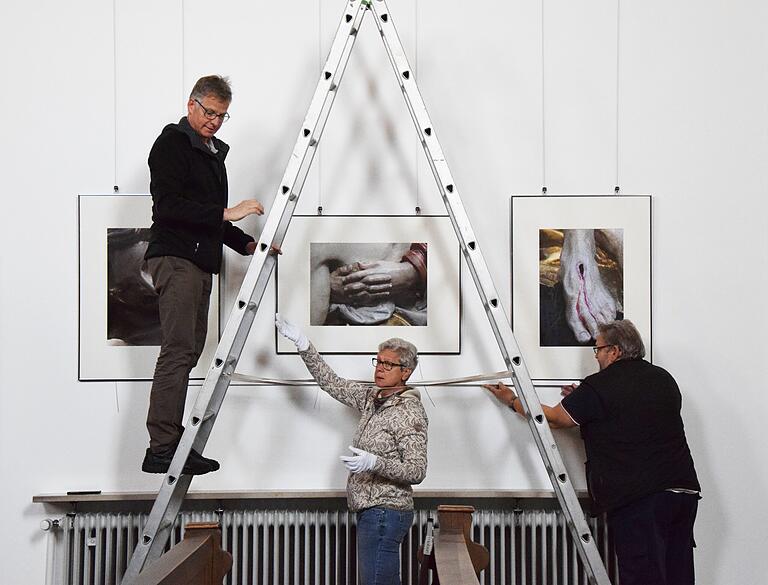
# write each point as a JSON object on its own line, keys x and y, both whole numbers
{"x": 577, "y": 261}
{"x": 119, "y": 323}
{"x": 350, "y": 282}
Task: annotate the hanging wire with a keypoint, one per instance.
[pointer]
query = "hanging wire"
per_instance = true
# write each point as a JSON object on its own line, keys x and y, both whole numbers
{"x": 421, "y": 375}
{"x": 543, "y": 111}
{"x": 114, "y": 89}
{"x": 320, "y": 63}
{"x": 183, "y": 53}
{"x": 618, "y": 61}
{"x": 416, "y": 77}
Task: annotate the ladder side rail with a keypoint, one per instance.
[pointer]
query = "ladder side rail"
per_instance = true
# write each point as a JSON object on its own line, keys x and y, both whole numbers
{"x": 497, "y": 318}
{"x": 213, "y": 391}
{"x": 532, "y": 407}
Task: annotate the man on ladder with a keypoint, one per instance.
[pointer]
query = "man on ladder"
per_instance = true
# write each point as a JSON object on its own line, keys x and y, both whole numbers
{"x": 191, "y": 221}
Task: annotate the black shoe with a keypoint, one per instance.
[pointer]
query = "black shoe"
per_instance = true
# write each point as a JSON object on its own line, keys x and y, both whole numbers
{"x": 160, "y": 462}
{"x": 194, "y": 456}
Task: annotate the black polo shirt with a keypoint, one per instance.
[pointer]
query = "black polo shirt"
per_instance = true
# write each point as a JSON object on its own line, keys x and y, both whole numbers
{"x": 629, "y": 415}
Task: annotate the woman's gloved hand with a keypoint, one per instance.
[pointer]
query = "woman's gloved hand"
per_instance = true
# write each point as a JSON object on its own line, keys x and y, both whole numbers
{"x": 360, "y": 461}
{"x": 292, "y": 332}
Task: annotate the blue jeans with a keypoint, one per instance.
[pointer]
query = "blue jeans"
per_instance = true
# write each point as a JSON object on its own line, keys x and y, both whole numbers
{"x": 380, "y": 532}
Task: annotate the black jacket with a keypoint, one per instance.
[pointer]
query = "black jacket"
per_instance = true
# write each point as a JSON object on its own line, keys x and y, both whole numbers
{"x": 189, "y": 193}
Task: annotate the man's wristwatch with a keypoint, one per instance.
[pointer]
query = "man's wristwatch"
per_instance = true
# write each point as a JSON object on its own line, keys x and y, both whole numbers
{"x": 512, "y": 404}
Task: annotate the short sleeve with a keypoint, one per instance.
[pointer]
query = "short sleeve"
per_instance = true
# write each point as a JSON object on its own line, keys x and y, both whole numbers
{"x": 583, "y": 405}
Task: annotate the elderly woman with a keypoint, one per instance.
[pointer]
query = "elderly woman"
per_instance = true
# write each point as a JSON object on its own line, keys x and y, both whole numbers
{"x": 390, "y": 449}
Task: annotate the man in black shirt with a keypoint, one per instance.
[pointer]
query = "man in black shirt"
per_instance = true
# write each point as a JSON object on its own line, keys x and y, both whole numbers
{"x": 191, "y": 221}
{"x": 639, "y": 468}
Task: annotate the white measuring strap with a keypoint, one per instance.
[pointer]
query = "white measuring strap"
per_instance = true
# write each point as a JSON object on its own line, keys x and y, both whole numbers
{"x": 311, "y": 382}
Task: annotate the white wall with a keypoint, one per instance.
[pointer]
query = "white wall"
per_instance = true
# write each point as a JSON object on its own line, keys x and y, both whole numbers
{"x": 693, "y": 131}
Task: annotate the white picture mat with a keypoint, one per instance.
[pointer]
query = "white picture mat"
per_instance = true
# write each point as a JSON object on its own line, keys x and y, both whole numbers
{"x": 97, "y": 359}
{"x": 533, "y": 213}
{"x": 442, "y": 333}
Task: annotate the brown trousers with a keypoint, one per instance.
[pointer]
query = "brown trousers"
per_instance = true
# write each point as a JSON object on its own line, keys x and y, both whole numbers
{"x": 185, "y": 292}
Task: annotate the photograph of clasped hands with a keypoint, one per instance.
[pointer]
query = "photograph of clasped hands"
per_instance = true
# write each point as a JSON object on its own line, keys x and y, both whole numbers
{"x": 368, "y": 284}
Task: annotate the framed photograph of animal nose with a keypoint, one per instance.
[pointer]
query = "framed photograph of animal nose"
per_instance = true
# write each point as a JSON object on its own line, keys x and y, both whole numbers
{"x": 576, "y": 262}
{"x": 119, "y": 323}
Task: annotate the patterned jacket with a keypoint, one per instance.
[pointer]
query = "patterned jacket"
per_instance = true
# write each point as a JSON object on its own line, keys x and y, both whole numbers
{"x": 395, "y": 432}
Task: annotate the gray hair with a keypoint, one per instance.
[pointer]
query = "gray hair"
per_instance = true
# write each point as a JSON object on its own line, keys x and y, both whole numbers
{"x": 214, "y": 85}
{"x": 625, "y": 335}
{"x": 407, "y": 352}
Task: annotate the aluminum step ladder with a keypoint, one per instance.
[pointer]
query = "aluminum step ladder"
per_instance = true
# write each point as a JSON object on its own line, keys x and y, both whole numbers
{"x": 155, "y": 535}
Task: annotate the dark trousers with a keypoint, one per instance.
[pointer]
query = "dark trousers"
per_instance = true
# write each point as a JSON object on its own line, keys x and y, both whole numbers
{"x": 185, "y": 292}
{"x": 654, "y": 539}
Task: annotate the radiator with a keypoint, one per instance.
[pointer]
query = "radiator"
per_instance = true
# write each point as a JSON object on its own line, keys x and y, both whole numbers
{"x": 318, "y": 547}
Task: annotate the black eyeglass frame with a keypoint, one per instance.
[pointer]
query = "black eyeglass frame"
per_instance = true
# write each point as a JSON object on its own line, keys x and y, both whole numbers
{"x": 385, "y": 364}
{"x": 597, "y": 348}
{"x": 210, "y": 114}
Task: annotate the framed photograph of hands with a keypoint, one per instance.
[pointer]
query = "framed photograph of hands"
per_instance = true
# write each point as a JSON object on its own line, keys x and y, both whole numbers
{"x": 351, "y": 282}
{"x": 577, "y": 261}
{"x": 119, "y": 322}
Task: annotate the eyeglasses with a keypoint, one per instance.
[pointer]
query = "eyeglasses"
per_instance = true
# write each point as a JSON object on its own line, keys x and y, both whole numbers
{"x": 599, "y": 347}
{"x": 210, "y": 114}
{"x": 385, "y": 364}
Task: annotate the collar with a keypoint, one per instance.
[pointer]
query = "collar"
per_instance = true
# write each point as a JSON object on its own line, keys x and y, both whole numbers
{"x": 197, "y": 142}
{"x": 407, "y": 392}
{"x": 624, "y": 361}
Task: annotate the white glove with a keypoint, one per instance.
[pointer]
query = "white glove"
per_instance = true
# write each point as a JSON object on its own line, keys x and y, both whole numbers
{"x": 290, "y": 331}
{"x": 360, "y": 461}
